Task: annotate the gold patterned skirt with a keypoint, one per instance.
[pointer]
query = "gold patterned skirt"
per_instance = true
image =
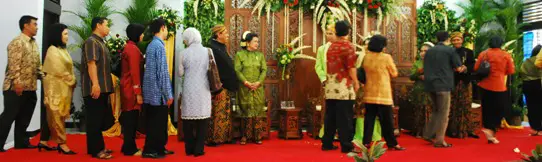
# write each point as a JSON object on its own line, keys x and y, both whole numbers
{"x": 220, "y": 126}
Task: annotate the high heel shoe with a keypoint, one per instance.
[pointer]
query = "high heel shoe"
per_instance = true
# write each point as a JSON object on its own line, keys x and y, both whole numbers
{"x": 493, "y": 141}
{"x": 61, "y": 151}
{"x": 45, "y": 147}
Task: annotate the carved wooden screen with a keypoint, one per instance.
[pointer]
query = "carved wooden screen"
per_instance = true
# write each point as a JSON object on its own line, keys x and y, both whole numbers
{"x": 239, "y": 20}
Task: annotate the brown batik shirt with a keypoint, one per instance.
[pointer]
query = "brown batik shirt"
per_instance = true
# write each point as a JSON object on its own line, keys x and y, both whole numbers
{"x": 24, "y": 64}
{"x": 95, "y": 49}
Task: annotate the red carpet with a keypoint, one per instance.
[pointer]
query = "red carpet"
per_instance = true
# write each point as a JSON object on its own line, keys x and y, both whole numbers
{"x": 307, "y": 149}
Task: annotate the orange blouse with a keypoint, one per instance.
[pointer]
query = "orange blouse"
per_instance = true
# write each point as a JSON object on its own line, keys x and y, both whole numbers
{"x": 379, "y": 69}
{"x": 501, "y": 65}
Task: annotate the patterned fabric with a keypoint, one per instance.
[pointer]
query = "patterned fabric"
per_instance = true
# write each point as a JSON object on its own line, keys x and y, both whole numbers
{"x": 196, "y": 95}
{"x": 459, "y": 125}
{"x": 252, "y": 128}
{"x": 220, "y": 126}
{"x": 251, "y": 66}
{"x": 95, "y": 49}
{"x": 130, "y": 81}
{"x": 420, "y": 99}
{"x": 379, "y": 69}
{"x": 24, "y": 65}
{"x": 156, "y": 83}
{"x": 340, "y": 58}
{"x": 58, "y": 86}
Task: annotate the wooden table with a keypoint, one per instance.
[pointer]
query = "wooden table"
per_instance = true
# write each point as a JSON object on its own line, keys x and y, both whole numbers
{"x": 289, "y": 127}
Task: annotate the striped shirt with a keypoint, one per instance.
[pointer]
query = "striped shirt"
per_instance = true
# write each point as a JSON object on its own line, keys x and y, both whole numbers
{"x": 157, "y": 88}
{"x": 95, "y": 49}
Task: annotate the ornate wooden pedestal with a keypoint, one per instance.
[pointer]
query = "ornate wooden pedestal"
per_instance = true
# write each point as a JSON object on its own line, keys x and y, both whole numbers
{"x": 397, "y": 130}
{"x": 289, "y": 124}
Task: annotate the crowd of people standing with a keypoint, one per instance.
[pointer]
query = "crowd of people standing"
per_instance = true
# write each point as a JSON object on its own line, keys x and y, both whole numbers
{"x": 442, "y": 75}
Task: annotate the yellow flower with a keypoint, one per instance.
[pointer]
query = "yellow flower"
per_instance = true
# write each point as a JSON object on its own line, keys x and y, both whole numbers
{"x": 440, "y": 6}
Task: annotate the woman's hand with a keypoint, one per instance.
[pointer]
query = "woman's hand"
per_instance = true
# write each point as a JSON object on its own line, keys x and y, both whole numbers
{"x": 356, "y": 85}
{"x": 139, "y": 99}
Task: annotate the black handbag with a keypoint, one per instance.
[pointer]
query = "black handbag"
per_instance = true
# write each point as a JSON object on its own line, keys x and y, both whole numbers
{"x": 484, "y": 68}
{"x": 361, "y": 74}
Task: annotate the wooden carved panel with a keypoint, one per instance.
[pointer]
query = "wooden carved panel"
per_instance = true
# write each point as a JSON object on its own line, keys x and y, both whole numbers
{"x": 406, "y": 37}
{"x": 236, "y": 31}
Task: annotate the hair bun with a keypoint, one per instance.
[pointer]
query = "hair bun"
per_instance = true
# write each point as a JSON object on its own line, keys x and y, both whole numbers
{"x": 244, "y": 37}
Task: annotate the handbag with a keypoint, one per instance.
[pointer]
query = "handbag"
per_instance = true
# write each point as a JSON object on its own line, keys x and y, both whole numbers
{"x": 484, "y": 68}
{"x": 212, "y": 74}
{"x": 361, "y": 74}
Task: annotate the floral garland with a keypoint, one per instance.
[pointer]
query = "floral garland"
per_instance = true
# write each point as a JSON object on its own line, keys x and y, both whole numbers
{"x": 287, "y": 52}
{"x": 432, "y": 17}
{"x": 172, "y": 18}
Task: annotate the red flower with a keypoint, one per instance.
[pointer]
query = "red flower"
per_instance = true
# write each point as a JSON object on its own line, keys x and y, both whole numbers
{"x": 118, "y": 51}
{"x": 285, "y": 1}
{"x": 379, "y": 3}
{"x": 369, "y": 1}
{"x": 290, "y": 48}
{"x": 370, "y": 6}
{"x": 296, "y": 2}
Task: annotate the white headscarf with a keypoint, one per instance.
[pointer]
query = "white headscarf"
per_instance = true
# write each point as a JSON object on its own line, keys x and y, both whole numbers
{"x": 192, "y": 36}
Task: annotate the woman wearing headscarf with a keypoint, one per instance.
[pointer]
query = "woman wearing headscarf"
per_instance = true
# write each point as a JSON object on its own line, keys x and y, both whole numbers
{"x": 58, "y": 85}
{"x": 494, "y": 96}
{"x": 196, "y": 93}
{"x": 532, "y": 88}
{"x": 130, "y": 85}
{"x": 379, "y": 69}
{"x": 420, "y": 99}
{"x": 251, "y": 69}
{"x": 220, "y": 126}
{"x": 459, "y": 125}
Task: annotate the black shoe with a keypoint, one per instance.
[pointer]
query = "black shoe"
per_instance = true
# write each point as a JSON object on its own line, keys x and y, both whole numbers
{"x": 168, "y": 152}
{"x": 29, "y": 146}
{"x": 199, "y": 154}
{"x": 45, "y": 147}
{"x": 152, "y": 156}
{"x": 61, "y": 151}
{"x": 346, "y": 150}
{"x": 189, "y": 153}
{"x": 472, "y": 135}
{"x": 212, "y": 144}
{"x": 329, "y": 149}
{"x": 2, "y": 150}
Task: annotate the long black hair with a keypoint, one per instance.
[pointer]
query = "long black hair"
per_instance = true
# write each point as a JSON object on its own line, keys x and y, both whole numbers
{"x": 134, "y": 31}
{"x": 55, "y": 35}
{"x": 536, "y": 50}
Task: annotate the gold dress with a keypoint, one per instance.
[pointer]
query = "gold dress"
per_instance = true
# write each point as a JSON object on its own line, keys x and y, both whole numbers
{"x": 58, "y": 84}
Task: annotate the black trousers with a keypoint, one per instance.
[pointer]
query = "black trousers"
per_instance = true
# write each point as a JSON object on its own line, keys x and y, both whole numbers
{"x": 129, "y": 122}
{"x": 385, "y": 114}
{"x": 493, "y": 106}
{"x": 156, "y": 138}
{"x": 533, "y": 95}
{"x": 339, "y": 114}
{"x": 18, "y": 109}
{"x": 95, "y": 115}
{"x": 45, "y": 134}
{"x": 195, "y": 133}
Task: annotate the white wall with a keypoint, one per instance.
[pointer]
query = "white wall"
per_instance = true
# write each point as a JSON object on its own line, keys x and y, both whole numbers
{"x": 119, "y": 27}
{"x": 451, "y": 4}
{"x": 11, "y": 12}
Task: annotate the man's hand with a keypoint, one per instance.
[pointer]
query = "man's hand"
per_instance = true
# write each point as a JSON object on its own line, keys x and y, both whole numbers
{"x": 422, "y": 77}
{"x": 139, "y": 99}
{"x": 356, "y": 86}
{"x": 169, "y": 102}
{"x": 461, "y": 69}
{"x": 95, "y": 93}
{"x": 18, "y": 89}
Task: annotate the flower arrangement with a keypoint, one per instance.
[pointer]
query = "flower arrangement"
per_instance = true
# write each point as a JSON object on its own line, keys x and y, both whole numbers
{"x": 172, "y": 18}
{"x": 368, "y": 154}
{"x": 206, "y": 3}
{"x": 267, "y": 6}
{"x": 116, "y": 44}
{"x": 287, "y": 52}
{"x": 467, "y": 28}
{"x": 536, "y": 157}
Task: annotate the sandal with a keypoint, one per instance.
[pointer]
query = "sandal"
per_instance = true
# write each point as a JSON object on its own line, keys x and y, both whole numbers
{"x": 537, "y": 133}
{"x": 243, "y": 141}
{"x": 446, "y": 145}
{"x": 259, "y": 142}
{"x": 397, "y": 148}
{"x": 103, "y": 155}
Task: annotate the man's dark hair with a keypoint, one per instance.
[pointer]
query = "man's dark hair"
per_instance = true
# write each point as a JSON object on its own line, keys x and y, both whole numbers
{"x": 96, "y": 21}
{"x": 156, "y": 25}
{"x": 377, "y": 43}
{"x": 55, "y": 36}
{"x": 26, "y": 19}
{"x": 134, "y": 31}
{"x": 536, "y": 50}
{"x": 495, "y": 42}
{"x": 342, "y": 28}
{"x": 442, "y": 36}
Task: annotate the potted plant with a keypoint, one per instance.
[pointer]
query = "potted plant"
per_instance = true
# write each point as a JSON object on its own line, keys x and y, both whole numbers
{"x": 368, "y": 154}
{"x": 79, "y": 118}
{"x": 536, "y": 157}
